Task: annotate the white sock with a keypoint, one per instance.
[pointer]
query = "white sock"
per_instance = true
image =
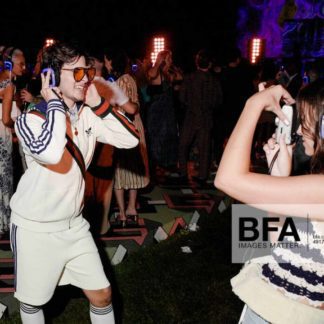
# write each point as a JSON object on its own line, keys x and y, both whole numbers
{"x": 31, "y": 314}
{"x": 104, "y": 315}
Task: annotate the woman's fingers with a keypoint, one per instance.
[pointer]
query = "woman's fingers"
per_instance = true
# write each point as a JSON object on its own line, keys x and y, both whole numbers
{"x": 284, "y": 147}
{"x": 272, "y": 142}
{"x": 282, "y": 116}
{"x": 42, "y": 78}
{"x": 286, "y": 97}
{"x": 270, "y": 146}
{"x": 261, "y": 86}
{"x": 266, "y": 149}
{"x": 47, "y": 92}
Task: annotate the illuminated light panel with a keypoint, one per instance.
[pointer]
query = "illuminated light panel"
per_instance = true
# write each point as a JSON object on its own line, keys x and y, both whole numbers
{"x": 256, "y": 49}
{"x": 158, "y": 46}
{"x": 49, "y": 42}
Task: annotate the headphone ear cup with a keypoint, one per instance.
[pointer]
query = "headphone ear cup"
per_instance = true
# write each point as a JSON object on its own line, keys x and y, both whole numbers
{"x": 321, "y": 127}
{"x": 7, "y": 63}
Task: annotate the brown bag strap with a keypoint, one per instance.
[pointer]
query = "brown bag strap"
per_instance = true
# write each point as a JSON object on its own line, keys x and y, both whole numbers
{"x": 71, "y": 147}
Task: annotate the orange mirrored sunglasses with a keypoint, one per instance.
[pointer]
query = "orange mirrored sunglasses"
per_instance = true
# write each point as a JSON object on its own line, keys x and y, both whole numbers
{"x": 80, "y": 72}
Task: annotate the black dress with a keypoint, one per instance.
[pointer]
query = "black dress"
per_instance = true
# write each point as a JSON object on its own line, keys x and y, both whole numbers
{"x": 162, "y": 127}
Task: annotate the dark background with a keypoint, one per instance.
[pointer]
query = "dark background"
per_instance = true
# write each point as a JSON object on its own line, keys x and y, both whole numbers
{"x": 123, "y": 23}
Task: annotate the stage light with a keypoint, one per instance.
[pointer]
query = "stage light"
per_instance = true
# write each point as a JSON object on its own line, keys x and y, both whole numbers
{"x": 256, "y": 49}
{"x": 49, "y": 42}
{"x": 158, "y": 46}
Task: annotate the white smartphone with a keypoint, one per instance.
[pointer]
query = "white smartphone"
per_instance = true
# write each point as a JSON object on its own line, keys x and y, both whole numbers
{"x": 282, "y": 128}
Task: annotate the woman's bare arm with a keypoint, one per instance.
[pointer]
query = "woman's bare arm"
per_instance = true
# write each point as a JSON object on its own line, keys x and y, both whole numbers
{"x": 8, "y": 96}
{"x": 276, "y": 194}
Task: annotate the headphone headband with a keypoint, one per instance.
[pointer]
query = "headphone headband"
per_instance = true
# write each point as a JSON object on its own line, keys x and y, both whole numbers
{"x": 321, "y": 126}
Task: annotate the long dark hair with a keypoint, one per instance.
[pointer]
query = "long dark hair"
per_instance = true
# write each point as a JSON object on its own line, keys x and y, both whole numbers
{"x": 120, "y": 61}
{"x": 310, "y": 104}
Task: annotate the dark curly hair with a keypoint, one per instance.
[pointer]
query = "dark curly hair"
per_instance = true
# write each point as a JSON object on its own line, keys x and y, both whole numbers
{"x": 56, "y": 55}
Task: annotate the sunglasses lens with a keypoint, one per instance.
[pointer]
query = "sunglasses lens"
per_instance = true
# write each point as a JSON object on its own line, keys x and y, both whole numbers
{"x": 78, "y": 74}
{"x": 91, "y": 73}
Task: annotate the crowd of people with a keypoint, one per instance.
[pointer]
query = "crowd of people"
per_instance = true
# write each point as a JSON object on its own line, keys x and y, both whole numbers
{"x": 126, "y": 123}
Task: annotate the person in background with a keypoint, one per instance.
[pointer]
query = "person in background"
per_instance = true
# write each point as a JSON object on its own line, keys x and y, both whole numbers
{"x": 140, "y": 75}
{"x": 237, "y": 86}
{"x": 162, "y": 128}
{"x": 99, "y": 176}
{"x": 200, "y": 94}
{"x": 14, "y": 65}
{"x": 289, "y": 75}
{"x": 2, "y": 47}
{"x": 131, "y": 166}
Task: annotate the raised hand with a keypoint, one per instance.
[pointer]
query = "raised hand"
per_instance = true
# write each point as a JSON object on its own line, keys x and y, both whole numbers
{"x": 119, "y": 97}
{"x": 269, "y": 99}
{"x": 47, "y": 91}
{"x": 281, "y": 167}
{"x": 26, "y": 96}
{"x": 92, "y": 97}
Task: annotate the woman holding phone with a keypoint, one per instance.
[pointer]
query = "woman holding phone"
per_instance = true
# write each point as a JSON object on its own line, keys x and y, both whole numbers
{"x": 289, "y": 288}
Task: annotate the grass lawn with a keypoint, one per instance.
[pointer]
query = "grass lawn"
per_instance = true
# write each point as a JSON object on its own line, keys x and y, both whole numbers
{"x": 161, "y": 284}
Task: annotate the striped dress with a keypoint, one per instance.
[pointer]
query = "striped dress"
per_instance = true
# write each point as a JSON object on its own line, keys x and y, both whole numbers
{"x": 6, "y": 168}
{"x": 131, "y": 170}
{"x": 299, "y": 273}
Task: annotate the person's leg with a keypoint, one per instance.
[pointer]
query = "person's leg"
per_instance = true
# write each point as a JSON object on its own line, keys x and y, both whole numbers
{"x": 186, "y": 137}
{"x": 84, "y": 270}
{"x": 106, "y": 201}
{"x": 101, "y": 309}
{"x": 121, "y": 203}
{"x": 31, "y": 314}
{"x": 39, "y": 262}
{"x": 204, "y": 137}
{"x": 131, "y": 207}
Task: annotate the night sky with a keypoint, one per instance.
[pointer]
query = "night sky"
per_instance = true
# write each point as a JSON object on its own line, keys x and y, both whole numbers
{"x": 129, "y": 24}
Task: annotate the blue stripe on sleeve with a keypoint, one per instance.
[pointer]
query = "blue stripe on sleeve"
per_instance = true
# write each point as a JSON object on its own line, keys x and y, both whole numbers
{"x": 40, "y": 144}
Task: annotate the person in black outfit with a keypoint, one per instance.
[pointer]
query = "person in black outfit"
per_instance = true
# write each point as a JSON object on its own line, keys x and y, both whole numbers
{"x": 200, "y": 94}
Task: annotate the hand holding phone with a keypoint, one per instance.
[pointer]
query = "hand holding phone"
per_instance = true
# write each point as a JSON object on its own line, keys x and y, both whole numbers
{"x": 284, "y": 129}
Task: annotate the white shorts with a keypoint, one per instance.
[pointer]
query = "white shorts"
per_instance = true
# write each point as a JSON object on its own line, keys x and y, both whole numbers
{"x": 45, "y": 260}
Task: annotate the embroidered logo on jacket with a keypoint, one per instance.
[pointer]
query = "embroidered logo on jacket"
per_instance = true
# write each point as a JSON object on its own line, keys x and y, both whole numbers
{"x": 89, "y": 131}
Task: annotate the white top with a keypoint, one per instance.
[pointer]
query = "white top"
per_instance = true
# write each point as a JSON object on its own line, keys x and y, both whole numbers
{"x": 48, "y": 200}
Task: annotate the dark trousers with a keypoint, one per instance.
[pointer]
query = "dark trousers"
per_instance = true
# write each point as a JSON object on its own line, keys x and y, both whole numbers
{"x": 190, "y": 132}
